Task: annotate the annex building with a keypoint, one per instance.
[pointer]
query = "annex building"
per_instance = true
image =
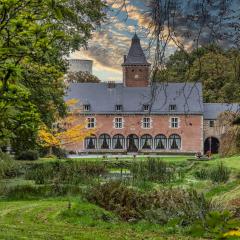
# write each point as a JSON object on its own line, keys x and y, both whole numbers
{"x": 135, "y": 116}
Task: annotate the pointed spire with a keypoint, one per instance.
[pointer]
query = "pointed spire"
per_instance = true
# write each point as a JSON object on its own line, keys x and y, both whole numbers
{"x": 135, "y": 55}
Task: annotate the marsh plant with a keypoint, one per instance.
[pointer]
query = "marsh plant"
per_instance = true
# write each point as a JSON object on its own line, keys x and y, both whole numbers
{"x": 154, "y": 170}
{"x": 217, "y": 174}
{"x": 71, "y": 172}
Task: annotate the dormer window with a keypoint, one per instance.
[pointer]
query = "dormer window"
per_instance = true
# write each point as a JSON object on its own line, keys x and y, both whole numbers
{"x": 145, "y": 107}
{"x": 172, "y": 107}
{"x": 118, "y": 107}
{"x": 86, "y": 107}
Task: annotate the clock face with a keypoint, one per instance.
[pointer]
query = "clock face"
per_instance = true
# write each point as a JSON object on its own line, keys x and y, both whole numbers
{"x": 136, "y": 76}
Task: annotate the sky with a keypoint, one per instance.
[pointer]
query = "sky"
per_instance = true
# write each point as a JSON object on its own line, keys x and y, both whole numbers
{"x": 112, "y": 40}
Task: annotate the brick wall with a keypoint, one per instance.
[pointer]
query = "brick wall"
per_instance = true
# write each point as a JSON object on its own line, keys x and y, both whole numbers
{"x": 190, "y": 129}
{"x": 136, "y": 76}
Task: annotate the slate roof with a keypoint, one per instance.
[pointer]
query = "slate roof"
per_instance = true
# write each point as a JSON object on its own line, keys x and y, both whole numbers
{"x": 212, "y": 110}
{"x": 135, "y": 55}
{"x": 186, "y": 96}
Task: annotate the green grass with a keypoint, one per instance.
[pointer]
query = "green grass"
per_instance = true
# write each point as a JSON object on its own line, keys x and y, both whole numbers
{"x": 51, "y": 219}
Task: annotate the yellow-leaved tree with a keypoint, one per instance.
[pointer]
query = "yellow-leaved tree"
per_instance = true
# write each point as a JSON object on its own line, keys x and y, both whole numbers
{"x": 65, "y": 132}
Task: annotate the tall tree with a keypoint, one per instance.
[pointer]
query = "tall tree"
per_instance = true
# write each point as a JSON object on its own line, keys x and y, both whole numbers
{"x": 35, "y": 38}
{"x": 218, "y": 70}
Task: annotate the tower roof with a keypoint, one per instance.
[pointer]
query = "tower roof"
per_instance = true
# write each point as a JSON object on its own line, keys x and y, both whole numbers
{"x": 135, "y": 55}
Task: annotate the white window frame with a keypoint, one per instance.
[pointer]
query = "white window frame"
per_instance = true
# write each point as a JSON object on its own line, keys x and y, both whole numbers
{"x": 86, "y": 107}
{"x": 145, "y": 107}
{"x": 118, "y": 124}
{"x": 173, "y": 123}
{"x": 91, "y": 124}
{"x": 146, "y": 124}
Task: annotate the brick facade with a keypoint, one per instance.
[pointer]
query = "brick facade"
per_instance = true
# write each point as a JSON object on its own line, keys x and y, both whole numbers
{"x": 189, "y": 130}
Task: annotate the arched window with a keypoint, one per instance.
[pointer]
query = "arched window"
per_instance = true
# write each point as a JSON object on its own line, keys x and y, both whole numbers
{"x": 91, "y": 142}
{"x": 132, "y": 143}
{"x": 104, "y": 141}
{"x": 118, "y": 141}
{"x": 161, "y": 142}
{"x": 146, "y": 141}
{"x": 174, "y": 141}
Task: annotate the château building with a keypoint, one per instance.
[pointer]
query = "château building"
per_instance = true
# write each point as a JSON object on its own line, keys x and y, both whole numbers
{"x": 136, "y": 116}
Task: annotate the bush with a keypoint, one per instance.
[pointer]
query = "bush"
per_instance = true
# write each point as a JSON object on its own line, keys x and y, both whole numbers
{"x": 217, "y": 225}
{"x": 59, "y": 152}
{"x": 202, "y": 174}
{"x": 70, "y": 171}
{"x": 157, "y": 207}
{"x": 28, "y": 155}
{"x": 8, "y": 167}
{"x": 216, "y": 174}
{"x": 219, "y": 174}
{"x": 153, "y": 170}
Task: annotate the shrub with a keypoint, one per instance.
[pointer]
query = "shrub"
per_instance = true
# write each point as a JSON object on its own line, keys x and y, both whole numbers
{"x": 28, "y": 155}
{"x": 153, "y": 170}
{"x": 115, "y": 196}
{"x": 71, "y": 172}
{"x": 216, "y": 225}
{"x": 157, "y": 207}
{"x": 202, "y": 174}
{"x": 59, "y": 152}
{"x": 219, "y": 174}
{"x": 8, "y": 167}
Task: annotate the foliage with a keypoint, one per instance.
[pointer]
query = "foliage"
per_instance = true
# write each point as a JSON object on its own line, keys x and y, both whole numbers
{"x": 216, "y": 224}
{"x": 153, "y": 170}
{"x": 28, "y": 155}
{"x": 67, "y": 131}
{"x": 81, "y": 77}
{"x": 157, "y": 206}
{"x": 218, "y": 70}
{"x": 32, "y": 61}
{"x": 201, "y": 174}
{"x": 231, "y": 138}
{"x": 19, "y": 118}
{"x": 71, "y": 172}
{"x": 217, "y": 174}
{"x": 8, "y": 167}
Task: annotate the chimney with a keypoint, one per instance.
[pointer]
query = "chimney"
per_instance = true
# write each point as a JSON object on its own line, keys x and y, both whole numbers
{"x": 124, "y": 58}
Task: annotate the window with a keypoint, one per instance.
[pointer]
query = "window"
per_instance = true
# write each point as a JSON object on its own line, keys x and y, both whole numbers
{"x": 146, "y": 141}
{"x": 118, "y": 141}
{"x": 160, "y": 141}
{"x": 146, "y": 122}
{"x": 211, "y": 123}
{"x": 118, "y": 122}
{"x": 91, "y": 122}
{"x": 172, "y": 107}
{"x": 174, "y": 122}
{"x": 146, "y": 107}
{"x": 86, "y": 107}
{"x": 104, "y": 141}
{"x": 91, "y": 142}
{"x": 118, "y": 107}
{"x": 174, "y": 142}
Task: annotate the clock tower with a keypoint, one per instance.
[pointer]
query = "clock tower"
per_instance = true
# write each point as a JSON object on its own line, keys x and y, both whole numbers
{"x": 136, "y": 69}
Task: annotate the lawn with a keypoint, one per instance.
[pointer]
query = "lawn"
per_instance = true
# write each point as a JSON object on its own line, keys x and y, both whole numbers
{"x": 51, "y": 219}
{"x": 28, "y": 210}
